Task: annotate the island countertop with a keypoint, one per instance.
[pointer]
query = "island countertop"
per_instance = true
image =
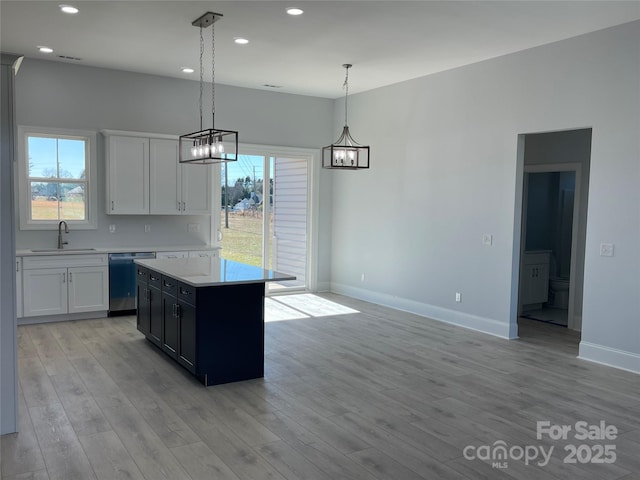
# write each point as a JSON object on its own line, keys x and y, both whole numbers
{"x": 208, "y": 272}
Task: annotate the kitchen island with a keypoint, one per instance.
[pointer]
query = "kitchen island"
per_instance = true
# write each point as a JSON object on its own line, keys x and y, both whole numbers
{"x": 206, "y": 314}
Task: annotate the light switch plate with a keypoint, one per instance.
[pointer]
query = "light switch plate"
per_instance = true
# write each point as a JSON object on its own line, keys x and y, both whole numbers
{"x": 147, "y": 228}
{"x": 112, "y": 228}
{"x": 606, "y": 249}
{"x": 194, "y": 227}
{"x": 487, "y": 239}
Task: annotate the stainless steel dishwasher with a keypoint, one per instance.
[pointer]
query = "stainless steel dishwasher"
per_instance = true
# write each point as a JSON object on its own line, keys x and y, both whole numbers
{"x": 122, "y": 281}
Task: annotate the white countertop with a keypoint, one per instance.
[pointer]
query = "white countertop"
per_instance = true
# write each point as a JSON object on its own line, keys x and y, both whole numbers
{"x": 85, "y": 251}
{"x": 207, "y": 272}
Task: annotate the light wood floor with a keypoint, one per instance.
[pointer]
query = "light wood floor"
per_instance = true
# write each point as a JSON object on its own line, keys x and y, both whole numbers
{"x": 377, "y": 394}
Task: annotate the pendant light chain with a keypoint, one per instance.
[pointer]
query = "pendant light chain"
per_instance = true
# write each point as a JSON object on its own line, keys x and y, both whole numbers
{"x": 213, "y": 76}
{"x": 209, "y": 145}
{"x": 346, "y": 94}
{"x": 201, "y": 74}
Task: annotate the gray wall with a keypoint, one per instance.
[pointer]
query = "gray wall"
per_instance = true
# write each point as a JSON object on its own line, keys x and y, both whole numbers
{"x": 445, "y": 170}
{"x": 54, "y": 94}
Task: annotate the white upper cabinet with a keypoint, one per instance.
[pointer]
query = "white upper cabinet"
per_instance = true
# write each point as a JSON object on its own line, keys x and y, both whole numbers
{"x": 177, "y": 189}
{"x": 145, "y": 177}
{"x": 164, "y": 182}
{"x": 127, "y": 161}
{"x": 196, "y": 189}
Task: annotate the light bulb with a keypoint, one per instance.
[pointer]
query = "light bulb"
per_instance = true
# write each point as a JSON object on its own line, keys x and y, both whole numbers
{"x": 200, "y": 151}
{"x": 194, "y": 151}
{"x": 352, "y": 155}
{"x": 220, "y": 147}
{"x": 206, "y": 149}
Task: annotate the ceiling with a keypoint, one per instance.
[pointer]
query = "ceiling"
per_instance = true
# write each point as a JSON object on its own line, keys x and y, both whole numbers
{"x": 386, "y": 41}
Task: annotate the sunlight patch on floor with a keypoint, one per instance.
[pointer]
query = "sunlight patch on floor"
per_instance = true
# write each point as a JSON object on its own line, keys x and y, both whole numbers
{"x": 305, "y": 305}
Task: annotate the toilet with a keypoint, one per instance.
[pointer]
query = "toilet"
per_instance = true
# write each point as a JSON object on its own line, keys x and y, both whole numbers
{"x": 559, "y": 288}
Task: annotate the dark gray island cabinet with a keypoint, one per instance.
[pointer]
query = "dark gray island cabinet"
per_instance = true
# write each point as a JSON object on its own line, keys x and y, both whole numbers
{"x": 206, "y": 314}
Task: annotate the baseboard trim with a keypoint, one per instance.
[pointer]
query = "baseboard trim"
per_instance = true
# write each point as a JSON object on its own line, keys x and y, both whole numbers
{"x": 323, "y": 287}
{"x": 445, "y": 315}
{"x": 62, "y": 318}
{"x": 610, "y": 357}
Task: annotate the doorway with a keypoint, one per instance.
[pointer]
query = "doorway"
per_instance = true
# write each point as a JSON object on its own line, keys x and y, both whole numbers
{"x": 265, "y": 215}
{"x": 553, "y": 226}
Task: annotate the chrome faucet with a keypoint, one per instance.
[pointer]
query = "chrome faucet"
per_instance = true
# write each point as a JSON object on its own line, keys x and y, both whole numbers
{"x": 66, "y": 230}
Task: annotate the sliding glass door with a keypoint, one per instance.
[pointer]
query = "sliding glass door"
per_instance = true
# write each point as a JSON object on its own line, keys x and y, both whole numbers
{"x": 265, "y": 214}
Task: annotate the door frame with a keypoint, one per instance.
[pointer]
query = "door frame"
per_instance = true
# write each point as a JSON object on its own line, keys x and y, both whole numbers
{"x": 550, "y": 168}
{"x": 311, "y": 156}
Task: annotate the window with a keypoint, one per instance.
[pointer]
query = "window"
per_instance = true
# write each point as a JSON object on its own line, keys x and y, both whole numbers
{"x": 55, "y": 178}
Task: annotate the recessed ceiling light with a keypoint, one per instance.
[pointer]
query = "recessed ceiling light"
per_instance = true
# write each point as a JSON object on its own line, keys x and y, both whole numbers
{"x": 44, "y": 49}
{"x": 241, "y": 40}
{"x": 187, "y": 70}
{"x": 68, "y": 9}
{"x": 295, "y": 11}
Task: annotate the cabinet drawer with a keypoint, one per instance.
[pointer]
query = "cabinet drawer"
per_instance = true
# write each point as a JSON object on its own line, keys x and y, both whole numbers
{"x": 169, "y": 285}
{"x": 155, "y": 279}
{"x": 142, "y": 274}
{"x": 186, "y": 293}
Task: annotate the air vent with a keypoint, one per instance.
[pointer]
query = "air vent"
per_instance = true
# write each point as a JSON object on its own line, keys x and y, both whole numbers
{"x": 67, "y": 57}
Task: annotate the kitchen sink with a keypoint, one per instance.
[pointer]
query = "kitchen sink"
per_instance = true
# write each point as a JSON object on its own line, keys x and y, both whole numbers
{"x": 43, "y": 250}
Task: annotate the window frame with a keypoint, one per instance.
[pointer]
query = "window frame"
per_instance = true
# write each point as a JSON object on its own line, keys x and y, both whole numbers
{"x": 24, "y": 188}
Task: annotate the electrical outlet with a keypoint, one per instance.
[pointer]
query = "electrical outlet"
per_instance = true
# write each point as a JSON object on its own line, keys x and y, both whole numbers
{"x": 112, "y": 228}
{"x": 147, "y": 228}
{"x": 487, "y": 239}
{"x": 606, "y": 249}
{"x": 458, "y": 297}
{"x": 194, "y": 227}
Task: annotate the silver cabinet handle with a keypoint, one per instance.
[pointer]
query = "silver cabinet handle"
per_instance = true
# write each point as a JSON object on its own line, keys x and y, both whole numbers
{"x": 177, "y": 314}
{"x": 111, "y": 204}
{"x": 17, "y": 266}
{"x": 64, "y": 278}
{"x": 70, "y": 277}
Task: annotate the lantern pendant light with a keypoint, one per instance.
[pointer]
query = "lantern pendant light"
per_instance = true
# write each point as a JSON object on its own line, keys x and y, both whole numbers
{"x": 345, "y": 153}
{"x": 211, "y": 145}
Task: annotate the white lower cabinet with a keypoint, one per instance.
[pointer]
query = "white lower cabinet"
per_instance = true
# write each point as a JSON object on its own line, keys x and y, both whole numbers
{"x": 45, "y": 292}
{"x": 49, "y": 287}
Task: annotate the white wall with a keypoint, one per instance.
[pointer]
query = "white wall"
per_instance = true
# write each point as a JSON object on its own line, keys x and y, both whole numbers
{"x": 54, "y": 94}
{"x": 445, "y": 170}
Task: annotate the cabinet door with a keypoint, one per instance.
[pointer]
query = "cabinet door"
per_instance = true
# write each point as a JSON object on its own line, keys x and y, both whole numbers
{"x": 128, "y": 175}
{"x": 155, "y": 315}
{"x": 88, "y": 289}
{"x": 19, "y": 287}
{"x": 169, "y": 325}
{"x": 143, "y": 308}
{"x": 540, "y": 283}
{"x": 196, "y": 189}
{"x": 187, "y": 336}
{"x": 164, "y": 177}
{"x": 45, "y": 291}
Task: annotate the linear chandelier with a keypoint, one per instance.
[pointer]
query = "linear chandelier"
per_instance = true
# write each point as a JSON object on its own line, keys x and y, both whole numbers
{"x": 345, "y": 153}
{"x": 210, "y": 145}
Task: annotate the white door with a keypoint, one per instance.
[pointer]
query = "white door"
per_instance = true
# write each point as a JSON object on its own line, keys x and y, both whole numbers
{"x": 196, "y": 189}
{"x": 164, "y": 181}
{"x": 128, "y": 175}
{"x": 45, "y": 291}
{"x": 88, "y": 289}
